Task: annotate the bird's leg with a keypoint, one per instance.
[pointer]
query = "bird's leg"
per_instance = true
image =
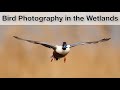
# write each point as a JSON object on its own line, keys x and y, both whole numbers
{"x": 64, "y": 59}
{"x": 52, "y": 58}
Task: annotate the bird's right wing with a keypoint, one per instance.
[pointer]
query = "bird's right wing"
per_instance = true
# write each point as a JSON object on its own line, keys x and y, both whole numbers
{"x": 37, "y": 42}
{"x": 93, "y": 42}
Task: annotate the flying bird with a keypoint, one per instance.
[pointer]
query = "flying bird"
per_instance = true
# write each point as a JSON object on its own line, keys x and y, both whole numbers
{"x": 60, "y": 51}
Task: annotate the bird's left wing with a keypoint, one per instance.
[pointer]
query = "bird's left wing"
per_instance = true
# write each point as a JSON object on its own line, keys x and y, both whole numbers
{"x": 37, "y": 42}
{"x": 93, "y": 42}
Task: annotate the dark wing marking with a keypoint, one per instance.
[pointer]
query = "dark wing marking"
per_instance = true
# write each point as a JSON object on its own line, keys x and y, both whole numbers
{"x": 93, "y": 42}
{"x": 36, "y": 42}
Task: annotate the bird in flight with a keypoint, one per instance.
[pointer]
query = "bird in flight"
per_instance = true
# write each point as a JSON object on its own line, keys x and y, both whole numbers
{"x": 60, "y": 51}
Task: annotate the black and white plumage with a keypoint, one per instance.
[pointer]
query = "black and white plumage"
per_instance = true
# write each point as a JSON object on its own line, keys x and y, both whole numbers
{"x": 60, "y": 51}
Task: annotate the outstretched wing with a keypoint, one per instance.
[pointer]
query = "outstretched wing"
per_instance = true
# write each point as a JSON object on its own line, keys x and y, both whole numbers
{"x": 36, "y": 42}
{"x": 93, "y": 42}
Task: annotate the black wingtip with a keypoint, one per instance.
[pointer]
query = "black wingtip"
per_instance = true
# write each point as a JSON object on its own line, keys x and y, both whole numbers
{"x": 16, "y": 37}
{"x": 106, "y": 39}
{"x": 109, "y": 38}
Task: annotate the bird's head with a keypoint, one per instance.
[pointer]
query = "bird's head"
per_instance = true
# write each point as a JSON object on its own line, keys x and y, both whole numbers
{"x": 64, "y": 46}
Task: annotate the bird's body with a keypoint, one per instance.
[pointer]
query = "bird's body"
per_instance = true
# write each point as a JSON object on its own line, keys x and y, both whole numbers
{"x": 60, "y": 51}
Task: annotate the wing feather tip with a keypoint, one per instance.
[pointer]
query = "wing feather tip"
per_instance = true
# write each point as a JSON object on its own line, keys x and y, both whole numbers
{"x": 15, "y": 36}
{"x": 106, "y": 39}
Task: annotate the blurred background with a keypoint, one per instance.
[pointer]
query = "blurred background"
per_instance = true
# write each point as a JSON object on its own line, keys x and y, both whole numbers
{"x": 19, "y": 59}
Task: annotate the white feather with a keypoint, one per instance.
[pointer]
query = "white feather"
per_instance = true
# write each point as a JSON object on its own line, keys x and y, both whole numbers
{"x": 61, "y": 51}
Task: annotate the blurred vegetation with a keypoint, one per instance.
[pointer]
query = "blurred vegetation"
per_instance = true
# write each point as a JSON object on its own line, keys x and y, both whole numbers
{"x": 23, "y": 59}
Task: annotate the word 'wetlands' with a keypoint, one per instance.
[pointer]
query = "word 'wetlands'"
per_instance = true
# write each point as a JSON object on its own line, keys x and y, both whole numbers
{"x": 60, "y": 51}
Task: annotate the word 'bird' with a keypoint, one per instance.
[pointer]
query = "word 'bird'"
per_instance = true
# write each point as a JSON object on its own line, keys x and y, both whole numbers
{"x": 60, "y": 51}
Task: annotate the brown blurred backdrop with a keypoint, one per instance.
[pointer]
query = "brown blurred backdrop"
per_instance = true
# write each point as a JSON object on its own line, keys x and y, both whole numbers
{"x": 25, "y": 60}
